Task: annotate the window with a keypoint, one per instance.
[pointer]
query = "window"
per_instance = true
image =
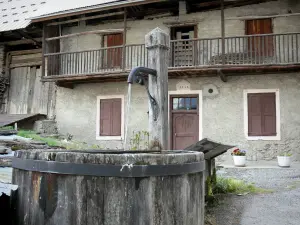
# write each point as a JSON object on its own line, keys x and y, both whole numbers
{"x": 110, "y": 118}
{"x": 262, "y": 116}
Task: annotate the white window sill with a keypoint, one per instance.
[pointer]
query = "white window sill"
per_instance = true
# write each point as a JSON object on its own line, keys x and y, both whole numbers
{"x": 263, "y": 138}
{"x": 109, "y": 138}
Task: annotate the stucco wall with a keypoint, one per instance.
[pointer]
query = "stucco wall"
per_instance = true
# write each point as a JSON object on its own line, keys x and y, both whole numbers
{"x": 222, "y": 114}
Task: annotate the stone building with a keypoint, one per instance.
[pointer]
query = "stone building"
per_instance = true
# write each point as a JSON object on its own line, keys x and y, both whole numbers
{"x": 233, "y": 71}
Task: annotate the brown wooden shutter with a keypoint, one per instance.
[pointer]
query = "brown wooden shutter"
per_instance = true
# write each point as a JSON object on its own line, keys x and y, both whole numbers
{"x": 262, "y": 114}
{"x": 262, "y": 46}
{"x": 110, "y": 117}
{"x": 254, "y": 115}
{"x": 114, "y": 55}
{"x": 116, "y": 118}
{"x": 268, "y": 102}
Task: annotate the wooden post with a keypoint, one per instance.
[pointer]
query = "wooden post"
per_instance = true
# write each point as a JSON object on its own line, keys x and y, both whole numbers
{"x": 223, "y": 31}
{"x": 44, "y": 51}
{"x": 124, "y": 40}
{"x": 158, "y": 43}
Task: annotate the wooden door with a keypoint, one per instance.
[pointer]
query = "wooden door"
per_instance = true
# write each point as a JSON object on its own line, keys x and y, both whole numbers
{"x": 260, "y": 45}
{"x": 114, "y": 55}
{"x": 183, "y": 50}
{"x": 184, "y": 121}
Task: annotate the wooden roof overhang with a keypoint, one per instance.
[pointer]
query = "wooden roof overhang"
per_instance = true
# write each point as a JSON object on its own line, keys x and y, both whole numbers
{"x": 223, "y": 72}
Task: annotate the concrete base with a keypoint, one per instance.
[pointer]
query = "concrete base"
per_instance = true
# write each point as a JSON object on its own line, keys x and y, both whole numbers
{"x": 260, "y": 164}
{"x": 45, "y": 127}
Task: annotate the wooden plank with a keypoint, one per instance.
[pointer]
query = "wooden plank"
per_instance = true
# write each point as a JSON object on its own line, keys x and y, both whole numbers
{"x": 86, "y": 18}
{"x": 108, "y": 31}
{"x": 31, "y": 91}
{"x": 262, "y": 16}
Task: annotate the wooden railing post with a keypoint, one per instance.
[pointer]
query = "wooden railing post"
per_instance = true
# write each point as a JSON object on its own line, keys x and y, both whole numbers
{"x": 158, "y": 44}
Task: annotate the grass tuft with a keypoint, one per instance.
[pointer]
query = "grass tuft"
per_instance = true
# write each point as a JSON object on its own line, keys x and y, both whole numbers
{"x": 231, "y": 185}
{"x": 34, "y": 136}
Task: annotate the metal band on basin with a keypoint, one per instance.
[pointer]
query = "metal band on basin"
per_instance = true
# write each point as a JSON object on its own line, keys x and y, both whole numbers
{"x": 107, "y": 170}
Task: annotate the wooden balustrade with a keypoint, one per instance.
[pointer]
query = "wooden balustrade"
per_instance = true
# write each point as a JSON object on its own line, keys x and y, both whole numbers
{"x": 250, "y": 50}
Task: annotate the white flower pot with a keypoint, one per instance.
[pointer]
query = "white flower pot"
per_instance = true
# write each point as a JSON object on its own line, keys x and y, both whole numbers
{"x": 284, "y": 161}
{"x": 239, "y": 160}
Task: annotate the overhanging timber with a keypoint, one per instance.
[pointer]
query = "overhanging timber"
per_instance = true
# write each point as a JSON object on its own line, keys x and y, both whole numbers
{"x": 185, "y": 72}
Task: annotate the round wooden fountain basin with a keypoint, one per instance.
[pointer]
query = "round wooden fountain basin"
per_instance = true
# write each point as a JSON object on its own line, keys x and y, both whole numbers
{"x": 109, "y": 187}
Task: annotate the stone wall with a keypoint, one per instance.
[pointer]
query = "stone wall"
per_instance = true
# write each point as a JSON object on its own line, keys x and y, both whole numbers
{"x": 222, "y": 112}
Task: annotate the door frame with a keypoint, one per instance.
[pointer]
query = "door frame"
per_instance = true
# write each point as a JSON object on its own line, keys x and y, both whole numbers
{"x": 200, "y": 111}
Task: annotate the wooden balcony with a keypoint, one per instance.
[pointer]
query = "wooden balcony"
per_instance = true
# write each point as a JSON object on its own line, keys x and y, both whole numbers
{"x": 192, "y": 57}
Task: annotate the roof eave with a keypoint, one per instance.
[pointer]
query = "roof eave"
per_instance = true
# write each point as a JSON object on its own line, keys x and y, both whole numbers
{"x": 90, "y": 9}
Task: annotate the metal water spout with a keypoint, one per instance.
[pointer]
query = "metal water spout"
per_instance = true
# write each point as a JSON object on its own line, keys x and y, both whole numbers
{"x": 139, "y": 75}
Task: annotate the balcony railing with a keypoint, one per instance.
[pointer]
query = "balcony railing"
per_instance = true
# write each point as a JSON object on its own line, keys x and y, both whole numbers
{"x": 250, "y": 50}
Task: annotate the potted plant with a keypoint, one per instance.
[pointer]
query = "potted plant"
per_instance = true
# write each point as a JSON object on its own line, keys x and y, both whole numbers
{"x": 239, "y": 157}
{"x": 284, "y": 159}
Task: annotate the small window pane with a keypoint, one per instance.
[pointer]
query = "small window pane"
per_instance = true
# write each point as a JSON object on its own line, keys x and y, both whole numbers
{"x": 188, "y": 103}
{"x": 181, "y": 103}
{"x": 175, "y": 103}
{"x": 194, "y": 103}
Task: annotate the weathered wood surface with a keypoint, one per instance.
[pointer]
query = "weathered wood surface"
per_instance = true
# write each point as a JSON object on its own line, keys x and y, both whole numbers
{"x": 72, "y": 200}
{"x": 158, "y": 42}
{"x": 27, "y": 94}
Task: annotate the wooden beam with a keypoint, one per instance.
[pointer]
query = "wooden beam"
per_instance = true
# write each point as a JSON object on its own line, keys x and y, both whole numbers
{"x": 223, "y": 31}
{"x": 44, "y": 43}
{"x": 27, "y": 36}
{"x": 109, "y": 31}
{"x": 86, "y": 18}
{"x": 21, "y": 42}
{"x": 262, "y": 17}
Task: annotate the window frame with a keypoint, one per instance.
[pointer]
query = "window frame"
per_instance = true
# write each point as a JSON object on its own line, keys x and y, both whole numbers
{"x": 277, "y": 102}
{"x": 98, "y": 136}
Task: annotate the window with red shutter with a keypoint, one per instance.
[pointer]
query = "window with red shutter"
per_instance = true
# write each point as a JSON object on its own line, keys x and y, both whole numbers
{"x": 261, "y": 114}
{"x": 110, "y": 117}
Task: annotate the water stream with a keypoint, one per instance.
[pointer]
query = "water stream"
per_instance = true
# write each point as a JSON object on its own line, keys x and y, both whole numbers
{"x": 127, "y": 117}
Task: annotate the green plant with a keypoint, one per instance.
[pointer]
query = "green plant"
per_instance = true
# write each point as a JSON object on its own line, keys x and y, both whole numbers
{"x": 231, "y": 185}
{"x": 139, "y": 140}
{"x": 285, "y": 154}
{"x": 7, "y": 128}
{"x": 33, "y": 135}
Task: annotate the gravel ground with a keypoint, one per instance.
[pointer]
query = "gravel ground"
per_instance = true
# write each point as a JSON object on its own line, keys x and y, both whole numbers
{"x": 281, "y": 207}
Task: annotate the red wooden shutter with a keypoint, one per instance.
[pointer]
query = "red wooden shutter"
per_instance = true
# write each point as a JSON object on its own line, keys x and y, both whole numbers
{"x": 262, "y": 114}
{"x": 114, "y": 55}
{"x": 254, "y": 115}
{"x": 110, "y": 117}
{"x": 268, "y": 102}
{"x": 263, "y": 45}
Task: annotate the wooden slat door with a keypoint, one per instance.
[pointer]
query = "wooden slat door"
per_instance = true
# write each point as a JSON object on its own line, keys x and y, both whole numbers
{"x": 263, "y": 45}
{"x": 184, "y": 114}
{"x": 114, "y": 55}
